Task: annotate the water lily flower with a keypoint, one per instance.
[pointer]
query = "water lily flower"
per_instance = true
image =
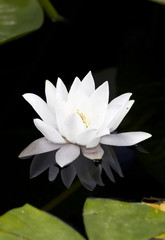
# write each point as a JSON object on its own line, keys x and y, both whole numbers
{"x": 78, "y": 128}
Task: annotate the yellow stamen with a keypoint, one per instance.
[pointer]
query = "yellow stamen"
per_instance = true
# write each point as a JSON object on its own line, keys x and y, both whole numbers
{"x": 83, "y": 118}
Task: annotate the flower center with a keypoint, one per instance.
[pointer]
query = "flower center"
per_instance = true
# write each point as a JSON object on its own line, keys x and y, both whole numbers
{"x": 83, "y": 118}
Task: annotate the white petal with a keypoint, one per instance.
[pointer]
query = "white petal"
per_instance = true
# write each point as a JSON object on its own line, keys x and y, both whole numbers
{"x": 120, "y": 116}
{"x": 120, "y": 100}
{"x": 73, "y": 95}
{"x": 88, "y": 84}
{"x": 124, "y": 139}
{"x": 111, "y": 114}
{"x": 84, "y": 138}
{"x": 75, "y": 85}
{"x": 49, "y": 132}
{"x": 61, "y": 113}
{"x": 73, "y": 126}
{"x": 99, "y": 103}
{"x": 83, "y": 104}
{"x": 101, "y": 94}
{"x": 39, "y": 146}
{"x": 93, "y": 153}
{"x": 41, "y": 108}
{"x": 50, "y": 92}
{"x": 94, "y": 142}
{"x": 67, "y": 154}
{"x": 61, "y": 88}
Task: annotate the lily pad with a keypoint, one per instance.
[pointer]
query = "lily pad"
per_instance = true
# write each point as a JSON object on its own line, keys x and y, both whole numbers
{"x": 18, "y": 18}
{"x": 27, "y": 222}
{"x": 104, "y": 219}
{"x": 109, "y": 219}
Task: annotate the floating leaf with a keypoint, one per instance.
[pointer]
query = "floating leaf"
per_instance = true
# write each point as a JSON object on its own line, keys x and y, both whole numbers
{"x": 30, "y": 223}
{"x": 116, "y": 220}
{"x": 104, "y": 219}
{"x": 19, "y": 17}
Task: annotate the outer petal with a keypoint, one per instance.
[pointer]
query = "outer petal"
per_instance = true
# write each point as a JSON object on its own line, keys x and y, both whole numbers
{"x": 120, "y": 100}
{"x": 124, "y": 139}
{"x": 117, "y": 120}
{"x": 67, "y": 154}
{"x": 50, "y": 92}
{"x": 41, "y": 108}
{"x": 49, "y": 132}
{"x": 93, "y": 153}
{"x": 111, "y": 115}
{"x": 39, "y": 146}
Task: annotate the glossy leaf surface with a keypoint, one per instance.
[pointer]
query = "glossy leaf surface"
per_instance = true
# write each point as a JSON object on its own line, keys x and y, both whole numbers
{"x": 18, "y": 18}
{"x": 109, "y": 219}
{"x": 29, "y": 223}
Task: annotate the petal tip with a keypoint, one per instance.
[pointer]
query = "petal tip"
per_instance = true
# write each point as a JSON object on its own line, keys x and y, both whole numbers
{"x": 20, "y": 155}
{"x": 89, "y": 74}
{"x": 60, "y": 164}
{"x": 47, "y": 82}
{"x": 26, "y": 95}
{"x": 148, "y": 135}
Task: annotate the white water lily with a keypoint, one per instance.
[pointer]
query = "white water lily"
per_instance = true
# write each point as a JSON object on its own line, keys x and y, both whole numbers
{"x": 78, "y": 121}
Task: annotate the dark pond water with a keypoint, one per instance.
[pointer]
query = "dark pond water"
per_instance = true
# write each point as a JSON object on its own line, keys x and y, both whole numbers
{"x": 122, "y": 44}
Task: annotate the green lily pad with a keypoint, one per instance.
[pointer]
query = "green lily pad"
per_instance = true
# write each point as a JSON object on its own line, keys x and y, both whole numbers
{"x": 108, "y": 219}
{"x": 104, "y": 219}
{"x": 19, "y": 17}
{"x": 29, "y": 223}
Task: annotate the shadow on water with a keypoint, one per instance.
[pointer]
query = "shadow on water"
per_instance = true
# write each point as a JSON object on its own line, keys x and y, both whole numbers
{"x": 120, "y": 46}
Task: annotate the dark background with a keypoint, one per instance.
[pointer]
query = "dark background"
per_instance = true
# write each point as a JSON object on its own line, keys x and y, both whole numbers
{"x": 127, "y": 36}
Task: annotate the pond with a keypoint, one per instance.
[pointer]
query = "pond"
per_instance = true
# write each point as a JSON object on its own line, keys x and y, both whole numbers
{"x": 117, "y": 44}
